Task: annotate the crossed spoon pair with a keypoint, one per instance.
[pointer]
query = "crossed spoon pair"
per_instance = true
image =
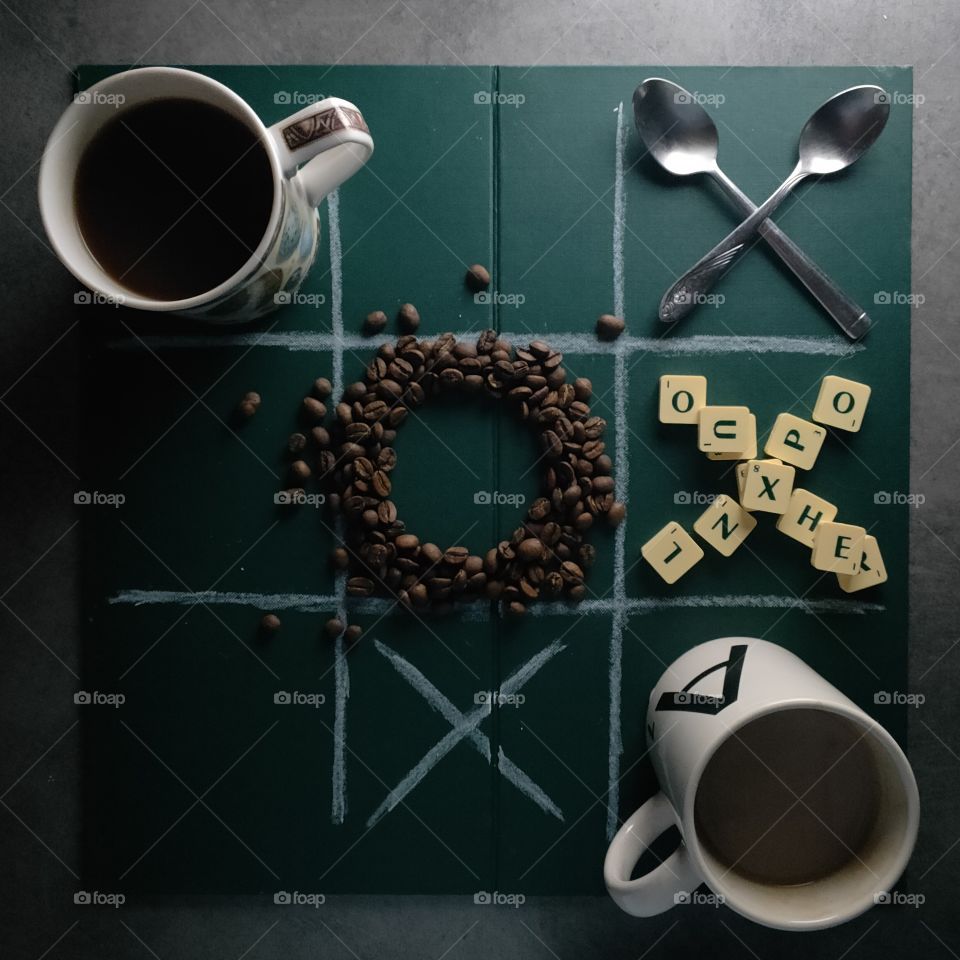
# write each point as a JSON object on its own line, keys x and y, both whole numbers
{"x": 682, "y": 138}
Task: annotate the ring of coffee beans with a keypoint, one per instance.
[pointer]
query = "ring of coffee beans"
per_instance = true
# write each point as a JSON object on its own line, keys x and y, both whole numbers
{"x": 544, "y": 558}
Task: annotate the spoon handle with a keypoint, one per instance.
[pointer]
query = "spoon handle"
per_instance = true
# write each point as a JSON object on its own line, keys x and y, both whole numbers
{"x": 848, "y": 314}
{"x": 693, "y": 286}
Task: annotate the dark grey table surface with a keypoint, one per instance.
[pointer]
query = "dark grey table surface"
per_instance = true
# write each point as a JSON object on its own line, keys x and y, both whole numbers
{"x": 40, "y": 43}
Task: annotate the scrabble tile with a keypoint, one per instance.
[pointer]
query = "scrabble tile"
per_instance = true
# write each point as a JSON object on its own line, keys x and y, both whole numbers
{"x": 872, "y": 571}
{"x": 723, "y": 429}
{"x": 681, "y": 398}
{"x": 671, "y": 552}
{"x": 724, "y": 524}
{"x": 841, "y": 403}
{"x": 795, "y": 441}
{"x": 749, "y": 452}
{"x": 767, "y": 486}
{"x": 804, "y": 514}
{"x": 838, "y": 547}
{"x": 741, "y": 474}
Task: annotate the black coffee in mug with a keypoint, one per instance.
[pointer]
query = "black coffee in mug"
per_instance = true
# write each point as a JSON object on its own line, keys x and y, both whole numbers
{"x": 173, "y": 196}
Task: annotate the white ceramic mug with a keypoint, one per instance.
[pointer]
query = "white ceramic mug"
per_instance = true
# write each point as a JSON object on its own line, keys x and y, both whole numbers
{"x": 706, "y": 699}
{"x": 310, "y": 154}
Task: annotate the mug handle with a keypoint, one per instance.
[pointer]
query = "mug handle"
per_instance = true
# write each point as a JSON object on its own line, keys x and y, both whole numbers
{"x": 658, "y": 890}
{"x": 329, "y": 142}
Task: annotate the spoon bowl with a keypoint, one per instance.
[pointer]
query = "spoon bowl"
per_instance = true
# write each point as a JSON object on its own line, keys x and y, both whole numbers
{"x": 676, "y": 130}
{"x": 842, "y": 129}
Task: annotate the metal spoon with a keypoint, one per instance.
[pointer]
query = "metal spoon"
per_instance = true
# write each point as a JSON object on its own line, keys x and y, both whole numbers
{"x": 836, "y": 135}
{"x": 681, "y": 136}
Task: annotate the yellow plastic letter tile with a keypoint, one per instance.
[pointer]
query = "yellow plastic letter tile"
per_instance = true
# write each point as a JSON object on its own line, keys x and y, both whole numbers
{"x": 723, "y": 429}
{"x": 872, "y": 571}
{"x": 841, "y": 403}
{"x": 767, "y": 486}
{"x": 795, "y": 441}
{"x": 838, "y": 547}
{"x": 749, "y": 452}
{"x": 724, "y": 524}
{"x": 681, "y": 398}
{"x": 804, "y": 514}
{"x": 671, "y": 552}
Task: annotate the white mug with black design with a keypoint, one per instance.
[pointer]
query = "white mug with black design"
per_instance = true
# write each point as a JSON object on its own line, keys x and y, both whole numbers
{"x": 797, "y": 809}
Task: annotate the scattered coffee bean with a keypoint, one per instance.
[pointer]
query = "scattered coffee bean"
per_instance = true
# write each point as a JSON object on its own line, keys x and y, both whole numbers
{"x": 270, "y": 623}
{"x": 333, "y": 628}
{"x": 609, "y": 327}
{"x": 246, "y": 409}
{"x": 376, "y": 322}
{"x": 300, "y": 471}
{"x": 340, "y": 558}
{"x": 616, "y": 513}
{"x": 314, "y": 408}
{"x": 583, "y": 389}
{"x": 353, "y": 633}
{"x": 296, "y": 442}
{"x": 322, "y": 387}
{"x": 478, "y": 278}
{"x": 409, "y": 318}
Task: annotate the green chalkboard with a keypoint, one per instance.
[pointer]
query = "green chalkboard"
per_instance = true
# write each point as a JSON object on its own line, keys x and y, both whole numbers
{"x": 397, "y": 781}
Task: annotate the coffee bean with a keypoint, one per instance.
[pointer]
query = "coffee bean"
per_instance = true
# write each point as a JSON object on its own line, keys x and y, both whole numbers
{"x": 270, "y": 623}
{"x": 314, "y": 408}
{"x": 387, "y": 512}
{"x": 408, "y": 318}
{"x": 408, "y": 542}
{"x": 539, "y": 509}
{"x": 583, "y": 389}
{"x": 353, "y": 633}
{"x": 296, "y": 442}
{"x": 477, "y": 278}
{"x": 249, "y": 404}
{"x": 609, "y": 327}
{"x": 381, "y": 483}
{"x": 530, "y": 550}
{"x": 616, "y": 513}
{"x": 333, "y": 628}
{"x": 322, "y": 388}
{"x": 516, "y": 609}
{"x": 300, "y": 471}
{"x": 375, "y": 322}
{"x": 456, "y": 556}
{"x": 360, "y": 587}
